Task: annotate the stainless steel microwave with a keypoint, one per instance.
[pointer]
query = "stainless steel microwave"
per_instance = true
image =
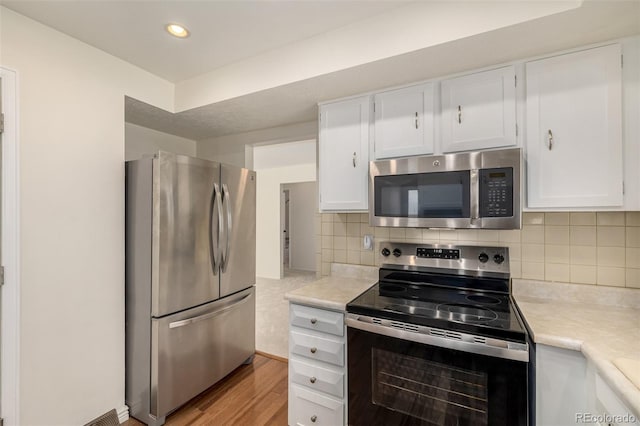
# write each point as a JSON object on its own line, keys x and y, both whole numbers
{"x": 477, "y": 190}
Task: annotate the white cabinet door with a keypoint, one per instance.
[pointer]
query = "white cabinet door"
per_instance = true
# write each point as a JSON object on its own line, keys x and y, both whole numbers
{"x": 479, "y": 110}
{"x": 343, "y": 155}
{"x": 561, "y": 383}
{"x": 574, "y": 122}
{"x": 404, "y": 122}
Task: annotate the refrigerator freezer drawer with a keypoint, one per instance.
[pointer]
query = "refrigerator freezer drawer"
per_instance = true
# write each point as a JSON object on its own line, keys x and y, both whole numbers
{"x": 192, "y": 350}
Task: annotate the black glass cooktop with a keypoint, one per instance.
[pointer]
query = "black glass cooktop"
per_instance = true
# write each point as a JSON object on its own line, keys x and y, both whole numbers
{"x": 490, "y": 314}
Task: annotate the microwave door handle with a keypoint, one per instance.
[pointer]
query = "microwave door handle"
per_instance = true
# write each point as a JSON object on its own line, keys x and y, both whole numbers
{"x": 474, "y": 193}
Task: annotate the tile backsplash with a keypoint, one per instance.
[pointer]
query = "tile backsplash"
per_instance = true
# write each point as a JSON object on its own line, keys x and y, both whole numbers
{"x": 600, "y": 248}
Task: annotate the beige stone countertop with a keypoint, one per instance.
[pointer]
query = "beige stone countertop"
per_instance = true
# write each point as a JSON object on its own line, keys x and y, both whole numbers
{"x": 572, "y": 316}
{"x": 334, "y": 292}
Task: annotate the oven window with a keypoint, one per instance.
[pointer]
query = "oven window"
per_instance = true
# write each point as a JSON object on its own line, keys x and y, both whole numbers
{"x": 423, "y": 195}
{"x": 428, "y": 390}
{"x": 399, "y": 382}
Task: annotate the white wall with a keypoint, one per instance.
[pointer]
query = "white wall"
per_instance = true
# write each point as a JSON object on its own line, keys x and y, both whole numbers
{"x": 227, "y": 150}
{"x": 285, "y": 154}
{"x": 303, "y": 205}
{"x": 71, "y": 139}
{"x": 142, "y": 141}
{"x": 232, "y": 149}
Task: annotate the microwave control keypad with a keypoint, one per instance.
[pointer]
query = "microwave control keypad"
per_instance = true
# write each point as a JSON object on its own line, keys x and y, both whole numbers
{"x": 496, "y": 192}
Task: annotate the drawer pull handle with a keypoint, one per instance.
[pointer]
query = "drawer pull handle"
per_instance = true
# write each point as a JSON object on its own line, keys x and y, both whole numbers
{"x": 314, "y": 350}
{"x": 312, "y": 380}
{"x": 314, "y": 418}
{"x": 313, "y": 320}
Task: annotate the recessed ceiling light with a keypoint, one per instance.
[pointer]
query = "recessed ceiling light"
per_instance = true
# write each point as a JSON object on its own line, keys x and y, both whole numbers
{"x": 177, "y": 30}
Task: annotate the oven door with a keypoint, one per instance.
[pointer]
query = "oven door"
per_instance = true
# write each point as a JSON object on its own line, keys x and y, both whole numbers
{"x": 399, "y": 382}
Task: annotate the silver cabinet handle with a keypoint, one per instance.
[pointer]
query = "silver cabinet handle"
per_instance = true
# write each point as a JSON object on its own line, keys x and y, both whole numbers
{"x": 550, "y": 140}
{"x": 313, "y": 320}
{"x": 214, "y": 241}
{"x": 354, "y": 159}
{"x": 314, "y": 350}
{"x": 312, "y": 379}
{"x": 459, "y": 114}
{"x": 314, "y": 418}
{"x": 203, "y": 317}
{"x": 227, "y": 204}
{"x": 416, "y": 119}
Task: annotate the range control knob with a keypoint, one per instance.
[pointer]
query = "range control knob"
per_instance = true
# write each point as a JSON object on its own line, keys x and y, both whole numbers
{"x": 484, "y": 257}
{"x": 498, "y": 258}
{"x": 385, "y": 252}
{"x": 397, "y": 252}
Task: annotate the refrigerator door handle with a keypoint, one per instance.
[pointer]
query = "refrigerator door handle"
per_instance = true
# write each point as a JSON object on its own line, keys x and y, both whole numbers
{"x": 215, "y": 239}
{"x": 203, "y": 317}
{"x": 227, "y": 204}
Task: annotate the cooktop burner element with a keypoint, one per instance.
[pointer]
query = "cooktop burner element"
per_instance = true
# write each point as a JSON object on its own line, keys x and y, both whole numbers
{"x": 462, "y": 288}
{"x": 482, "y": 299}
{"x": 465, "y": 313}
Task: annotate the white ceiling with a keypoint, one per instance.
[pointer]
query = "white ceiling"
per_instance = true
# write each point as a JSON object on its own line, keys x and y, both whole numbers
{"x": 250, "y": 27}
{"x": 222, "y": 32}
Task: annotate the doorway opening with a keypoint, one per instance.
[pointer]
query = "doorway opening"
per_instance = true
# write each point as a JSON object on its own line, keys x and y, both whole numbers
{"x": 297, "y": 213}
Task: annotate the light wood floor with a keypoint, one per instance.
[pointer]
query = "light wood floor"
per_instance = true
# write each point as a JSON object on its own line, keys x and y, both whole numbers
{"x": 252, "y": 395}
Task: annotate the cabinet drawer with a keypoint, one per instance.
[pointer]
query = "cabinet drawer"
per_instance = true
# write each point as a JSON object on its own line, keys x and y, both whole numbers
{"x": 316, "y": 377}
{"x": 317, "y": 319}
{"x": 327, "y": 349}
{"x": 312, "y": 409}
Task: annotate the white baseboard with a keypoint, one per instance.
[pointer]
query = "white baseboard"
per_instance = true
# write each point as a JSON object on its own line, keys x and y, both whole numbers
{"x": 123, "y": 414}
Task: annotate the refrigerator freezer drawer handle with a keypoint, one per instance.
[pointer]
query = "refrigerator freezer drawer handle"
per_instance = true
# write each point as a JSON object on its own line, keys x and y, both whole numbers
{"x": 227, "y": 204}
{"x": 203, "y": 317}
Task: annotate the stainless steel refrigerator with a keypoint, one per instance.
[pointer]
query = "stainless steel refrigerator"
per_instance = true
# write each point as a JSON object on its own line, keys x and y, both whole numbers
{"x": 190, "y": 271}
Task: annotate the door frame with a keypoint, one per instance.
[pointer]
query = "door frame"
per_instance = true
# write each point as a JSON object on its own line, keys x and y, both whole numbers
{"x": 10, "y": 311}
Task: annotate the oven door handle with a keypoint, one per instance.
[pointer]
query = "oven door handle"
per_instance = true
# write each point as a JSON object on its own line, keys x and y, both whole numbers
{"x": 441, "y": 338}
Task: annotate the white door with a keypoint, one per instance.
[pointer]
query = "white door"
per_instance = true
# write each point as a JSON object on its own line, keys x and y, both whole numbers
{"x": 574, "y": 124}
{"x": 479, "y": 110}
{"x": 343, "y": 155}
{"x": 1, "y": 263}
{"x": 9, "y": 250}
{"x": 404, "y": 122}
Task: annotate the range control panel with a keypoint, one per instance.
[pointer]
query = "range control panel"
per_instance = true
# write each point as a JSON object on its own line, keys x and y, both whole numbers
{"x": 438, "y": 253}
{"x": 473, "y": 258}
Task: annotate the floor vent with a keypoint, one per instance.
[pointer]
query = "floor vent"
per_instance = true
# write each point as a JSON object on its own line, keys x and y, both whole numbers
{"x": 107, "y": 419}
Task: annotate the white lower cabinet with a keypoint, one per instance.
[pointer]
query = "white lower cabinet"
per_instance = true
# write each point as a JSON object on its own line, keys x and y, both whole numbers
{"x": 317, "y": 367}
{"x": 570, "y": 390}
{"x": 561, "y": 385}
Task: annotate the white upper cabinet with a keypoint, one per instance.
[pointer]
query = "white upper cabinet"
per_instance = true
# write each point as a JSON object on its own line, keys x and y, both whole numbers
{"x": 574, "y": 123}
{"x": 479, "y": 110}
{"x": 404, "y": 122}
{"x": 343, "y": 155}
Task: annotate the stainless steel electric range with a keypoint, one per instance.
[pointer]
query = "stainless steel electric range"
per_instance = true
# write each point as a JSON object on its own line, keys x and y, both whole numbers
{"x": 439, "y": 341}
